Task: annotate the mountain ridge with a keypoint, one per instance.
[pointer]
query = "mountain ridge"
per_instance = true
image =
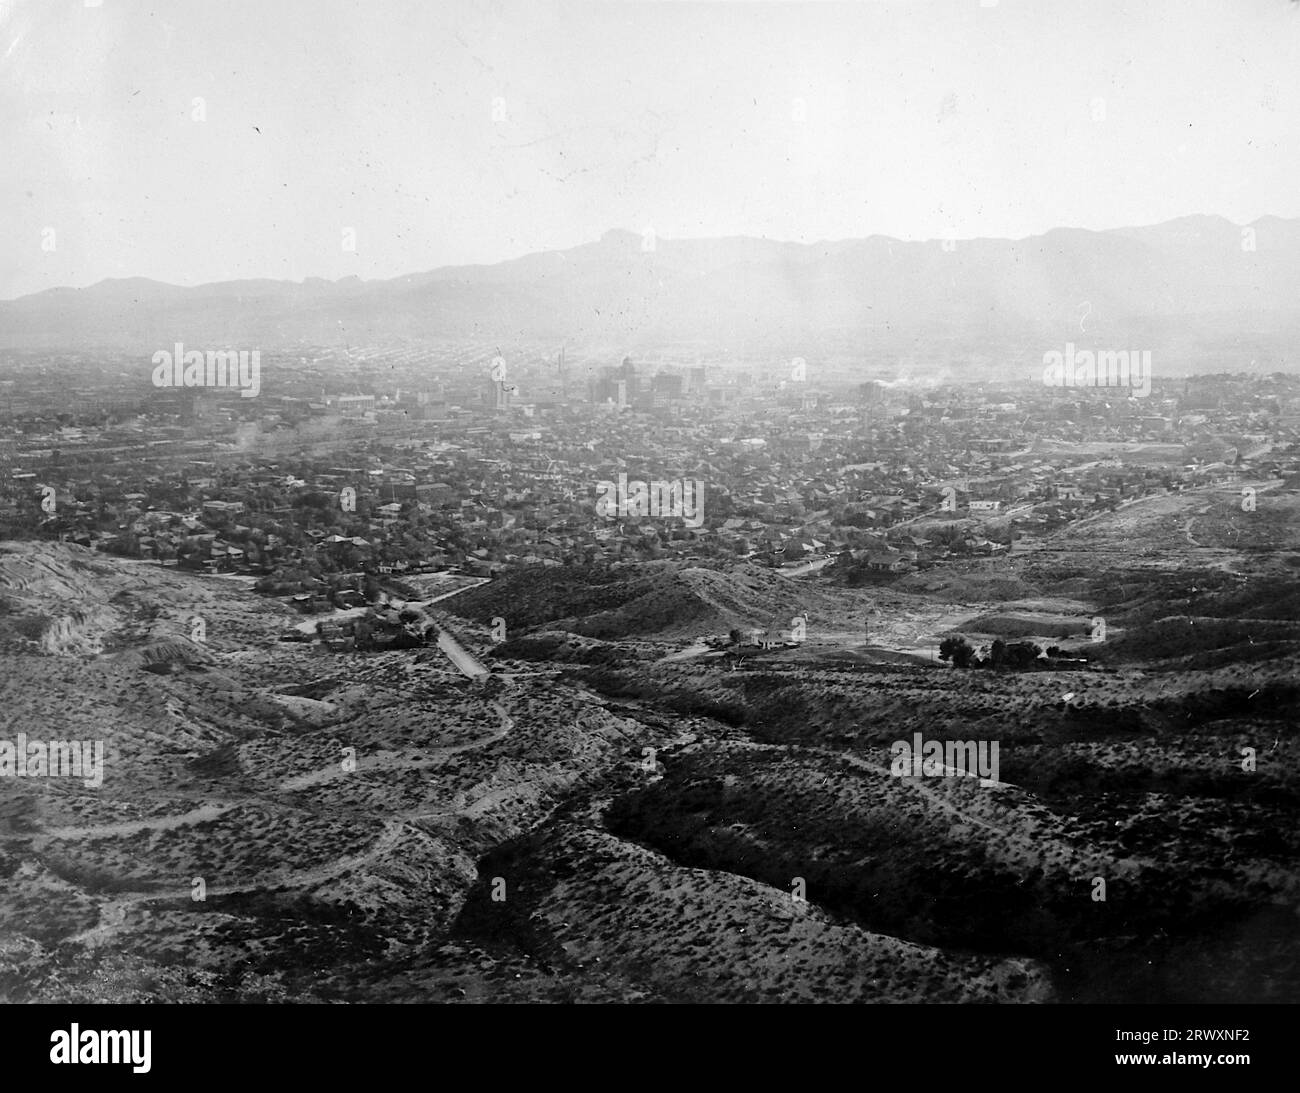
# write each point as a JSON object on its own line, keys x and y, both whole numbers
{"x": 1199, "y": 288}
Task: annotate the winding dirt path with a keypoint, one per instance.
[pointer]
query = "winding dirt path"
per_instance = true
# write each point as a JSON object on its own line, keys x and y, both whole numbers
{"x": 112, "y": 915}
{"x": 330, "y": 773}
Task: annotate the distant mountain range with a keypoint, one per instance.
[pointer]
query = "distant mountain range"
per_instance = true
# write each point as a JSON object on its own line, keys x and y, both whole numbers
{"x": 1198, "y": 291}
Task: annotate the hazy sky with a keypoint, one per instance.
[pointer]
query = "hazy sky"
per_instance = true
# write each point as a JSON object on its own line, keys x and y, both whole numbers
{"x": 443, "y": 131}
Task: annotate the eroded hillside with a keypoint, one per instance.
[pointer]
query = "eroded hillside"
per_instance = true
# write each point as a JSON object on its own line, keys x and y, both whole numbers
{"x": 638, "y": 819}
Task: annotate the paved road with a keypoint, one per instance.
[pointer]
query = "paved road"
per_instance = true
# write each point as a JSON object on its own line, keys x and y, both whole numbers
{"x": 466, "y": 661}
{"x": 457, "y": 591}
{"x": 807, "y": 567}
{"x": 452, "y": 649}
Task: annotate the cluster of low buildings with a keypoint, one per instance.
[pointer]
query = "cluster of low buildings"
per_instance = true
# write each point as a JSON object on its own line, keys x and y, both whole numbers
{"x": 446, "y": 472}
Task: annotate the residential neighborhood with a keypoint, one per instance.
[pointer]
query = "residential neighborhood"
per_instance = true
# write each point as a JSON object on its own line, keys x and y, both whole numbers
{"x": 874, "y": 480}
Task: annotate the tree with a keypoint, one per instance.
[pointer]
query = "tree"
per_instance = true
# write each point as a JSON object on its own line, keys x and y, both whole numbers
{"x": 998, "y": 654}
{"x": 958, "y": 650}
{"x": 1022, "y": 655}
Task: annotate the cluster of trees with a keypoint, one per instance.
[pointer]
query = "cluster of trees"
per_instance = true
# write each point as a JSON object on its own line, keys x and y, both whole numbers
{"x": 1016, "y": 656}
